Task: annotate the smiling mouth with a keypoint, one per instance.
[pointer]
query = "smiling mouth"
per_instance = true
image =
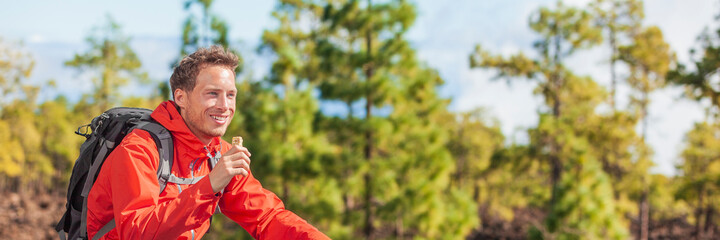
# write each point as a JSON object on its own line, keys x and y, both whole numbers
{"x": 219, "y": 119}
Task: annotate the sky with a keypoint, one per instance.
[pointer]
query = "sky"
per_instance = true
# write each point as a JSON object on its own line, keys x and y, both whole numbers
{"x": 444, "y": 35}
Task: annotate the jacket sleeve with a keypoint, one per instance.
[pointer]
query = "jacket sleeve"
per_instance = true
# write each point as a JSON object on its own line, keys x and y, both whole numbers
{"x": 261, "y": 213}
{"x": 135, "y": 194}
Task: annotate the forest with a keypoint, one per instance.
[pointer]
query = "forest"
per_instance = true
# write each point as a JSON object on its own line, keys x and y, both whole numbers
{"x": 399, "y": 163}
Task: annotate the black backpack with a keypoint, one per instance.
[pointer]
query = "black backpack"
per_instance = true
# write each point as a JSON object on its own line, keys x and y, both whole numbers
{"x": 102, "y": 135}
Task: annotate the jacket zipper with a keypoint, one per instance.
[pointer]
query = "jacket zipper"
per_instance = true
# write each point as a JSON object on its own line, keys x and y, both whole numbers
{"x": 192, "y": 231}
{"x": 192, "y": 175}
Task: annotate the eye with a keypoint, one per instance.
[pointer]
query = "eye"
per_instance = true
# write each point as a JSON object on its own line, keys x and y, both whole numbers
{"x": 231, "y": 95}
{"x": 213, "y": 93}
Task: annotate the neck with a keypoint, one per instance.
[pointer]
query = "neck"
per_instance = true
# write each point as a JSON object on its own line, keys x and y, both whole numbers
{"x": 206, "y": 142}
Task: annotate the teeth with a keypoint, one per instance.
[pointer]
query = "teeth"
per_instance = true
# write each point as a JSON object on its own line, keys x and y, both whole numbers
{"x": 218, "y": 118}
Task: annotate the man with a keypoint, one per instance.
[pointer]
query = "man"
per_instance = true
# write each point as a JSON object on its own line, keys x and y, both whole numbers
{"x": 127, "y": 188}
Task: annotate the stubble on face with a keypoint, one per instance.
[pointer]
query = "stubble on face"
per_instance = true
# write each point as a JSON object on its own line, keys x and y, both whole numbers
{"x": 196, "y": 120}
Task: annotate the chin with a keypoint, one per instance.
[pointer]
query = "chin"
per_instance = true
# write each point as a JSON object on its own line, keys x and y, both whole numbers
{"x": 217, "y": 132}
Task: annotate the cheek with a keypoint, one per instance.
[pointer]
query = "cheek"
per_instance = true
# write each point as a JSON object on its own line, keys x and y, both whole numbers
{"x": 208, "y": 104}
{"x": 230, "y": 105}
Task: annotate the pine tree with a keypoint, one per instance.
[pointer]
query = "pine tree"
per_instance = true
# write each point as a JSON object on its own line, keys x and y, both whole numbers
{"x": 579, "y": 186}
{"x": 699, "y": 167}
{"x": 110, "y": 62}
{"x": 700, "y": 170}
{"x": 16, "y": 64}
{"x": 281, "y": 111}
{"x": 586, "y": 207}
{"x": 474, "y": 139}
{"x": 563, "y": 31}
{"x": 649, "y": 58}
{"x": 204, "y": 29}
{"x": 620, "y": 18}
{"x": 394, "y": 158}
{"x": 24, "y": 168}
{"x": 59, "y": 141}
{"x": 419, "y": 164}
{"x": 622, "y": 154}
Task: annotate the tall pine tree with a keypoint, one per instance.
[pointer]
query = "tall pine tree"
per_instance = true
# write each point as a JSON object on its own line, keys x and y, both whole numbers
{"x": 203, "y": 28}
{"x": 580, "y": 188}
{"x": 699, "y": 166}
{"x": 110, "y": 62}
{"x": 619, "y": 18}
{"x": 394, "y": 156}
{"x": 649, "y": 58}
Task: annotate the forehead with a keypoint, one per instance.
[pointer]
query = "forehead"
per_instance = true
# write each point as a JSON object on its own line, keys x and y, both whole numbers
{"x": 216, "y": 77}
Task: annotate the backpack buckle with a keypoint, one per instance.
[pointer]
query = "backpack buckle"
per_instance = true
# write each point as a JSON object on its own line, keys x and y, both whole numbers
{"x": 84, "y": 131}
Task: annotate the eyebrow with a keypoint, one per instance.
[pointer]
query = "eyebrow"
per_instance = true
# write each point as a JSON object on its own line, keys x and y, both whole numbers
{"x": 211, "y": 88}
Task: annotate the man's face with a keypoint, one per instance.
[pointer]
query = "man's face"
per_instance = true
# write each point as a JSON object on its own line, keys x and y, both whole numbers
{"x": 210, "y": 106}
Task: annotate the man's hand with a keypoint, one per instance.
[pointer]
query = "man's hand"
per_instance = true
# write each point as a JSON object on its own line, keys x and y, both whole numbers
{"x": 235, "y": 161}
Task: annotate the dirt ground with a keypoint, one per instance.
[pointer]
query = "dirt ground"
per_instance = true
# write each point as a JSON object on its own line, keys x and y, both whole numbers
{"x": 494, "y": 227}
{"x": 30, "y": 216}
{"x": 33, "y": 216}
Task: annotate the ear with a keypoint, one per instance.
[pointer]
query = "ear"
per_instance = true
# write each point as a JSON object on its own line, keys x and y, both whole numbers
{"x": 180, "y": 98}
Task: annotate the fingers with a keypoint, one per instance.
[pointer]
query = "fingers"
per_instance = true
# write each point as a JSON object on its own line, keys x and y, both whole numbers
{"x": 236, "y": 149}
{"x": 239, "y": 167}
{"x": 241, "y": 171}
{"x": 237, "y": 156}
{"x": 233, "y": 168}
{"x": 240, "y": 163}
{"x": 237, "y": 161}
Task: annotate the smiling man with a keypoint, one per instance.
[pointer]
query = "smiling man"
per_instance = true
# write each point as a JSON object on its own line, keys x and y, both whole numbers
{"x": 126, "y": 191}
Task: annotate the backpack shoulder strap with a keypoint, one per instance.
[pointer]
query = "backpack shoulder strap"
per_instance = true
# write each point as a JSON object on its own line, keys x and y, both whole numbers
{"x": 164, "y": 142}
{"x": 163, "y": 139}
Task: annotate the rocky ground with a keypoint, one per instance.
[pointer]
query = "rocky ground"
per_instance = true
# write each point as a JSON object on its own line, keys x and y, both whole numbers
{"x": 33, "y": 216}
{"x": 494, "y": 227}
{"x": 30, "y": 216}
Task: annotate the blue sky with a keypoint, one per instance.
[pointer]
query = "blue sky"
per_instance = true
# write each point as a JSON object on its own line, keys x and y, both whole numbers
{"x": 444, "y": 35}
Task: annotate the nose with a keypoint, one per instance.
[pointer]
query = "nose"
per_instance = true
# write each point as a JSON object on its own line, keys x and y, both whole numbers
{"x": 223, "y": 103}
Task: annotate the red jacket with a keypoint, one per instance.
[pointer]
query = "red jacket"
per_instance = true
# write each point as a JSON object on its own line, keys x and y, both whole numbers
{"x": 127, "y": 190}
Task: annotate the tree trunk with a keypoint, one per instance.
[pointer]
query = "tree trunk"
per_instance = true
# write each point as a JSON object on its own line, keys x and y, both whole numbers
{"x": 643, "y": 216}
{"x": 461, "y": 160}
{"x": 709, "y": 226}
{"x": 555, "y": 84}
{"x": 555, "y": 148}
{"x": 350, "y": 112}
{"x": 399, "y": 230}
{"x": 698, "y": 216}
{"x": 369, "y": 218}
{"x": 613, "y": 56}
{"x": 476, "y": 192}
{"x": 370, "y": 71}
{"x": 347, "y": 208}
{"x": 556, "y": 172}
{"x": 285, "y": 190}
{"x": 206, "y": 27}
{"x": 645, "y": 103}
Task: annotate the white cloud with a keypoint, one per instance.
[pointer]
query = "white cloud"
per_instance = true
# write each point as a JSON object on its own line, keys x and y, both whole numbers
{"x": 37, "y": 38}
